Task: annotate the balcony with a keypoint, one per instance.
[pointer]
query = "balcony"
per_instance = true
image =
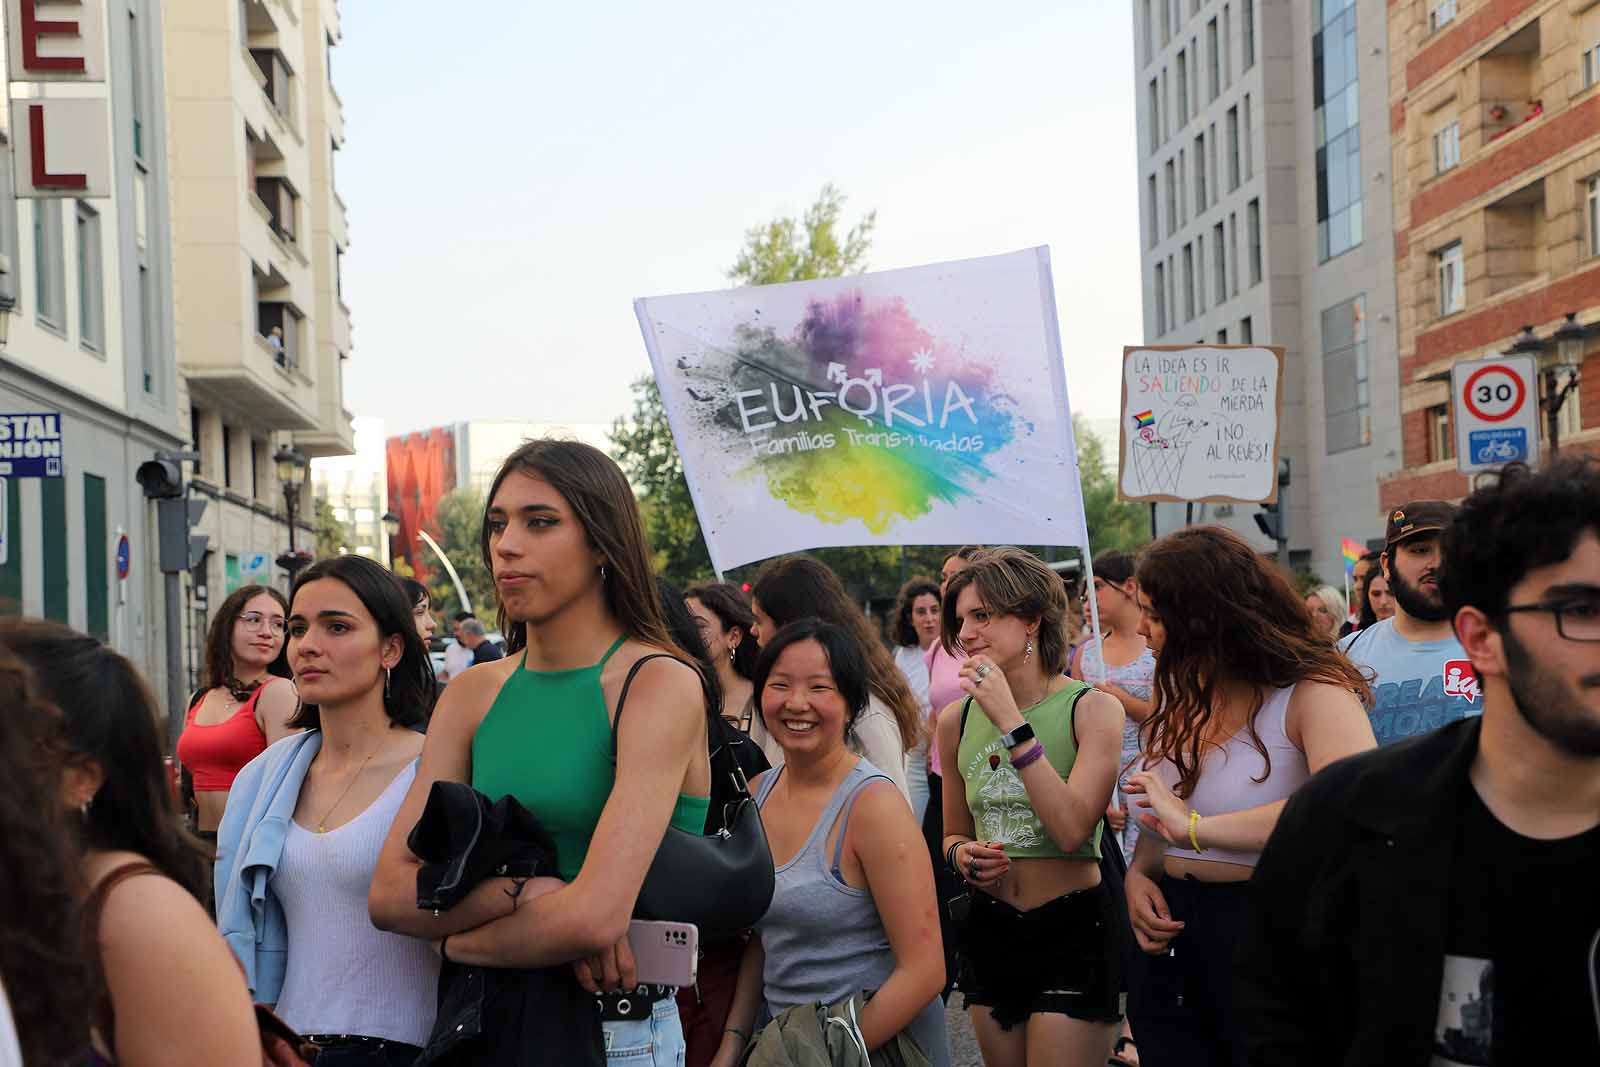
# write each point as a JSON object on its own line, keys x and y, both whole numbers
{"x": 1514, "y": 238}
{"x": 248, "y": 374}
{"x": 1509, "y": 83}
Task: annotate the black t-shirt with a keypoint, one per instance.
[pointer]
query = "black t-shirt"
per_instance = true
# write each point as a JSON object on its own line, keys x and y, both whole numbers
{"x": 1519, "y": 970}
{"x": 486, "y": 652}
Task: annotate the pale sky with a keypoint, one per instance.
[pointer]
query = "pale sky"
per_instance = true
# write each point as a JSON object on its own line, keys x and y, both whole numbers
{"x": 515, "y": 181}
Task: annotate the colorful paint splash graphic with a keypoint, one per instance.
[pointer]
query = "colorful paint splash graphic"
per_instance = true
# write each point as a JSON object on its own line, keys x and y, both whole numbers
{"x": 859, "y": 414}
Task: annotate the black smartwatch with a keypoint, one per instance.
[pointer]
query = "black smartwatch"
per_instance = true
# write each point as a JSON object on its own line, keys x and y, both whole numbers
{"x": 1021, "y": 735}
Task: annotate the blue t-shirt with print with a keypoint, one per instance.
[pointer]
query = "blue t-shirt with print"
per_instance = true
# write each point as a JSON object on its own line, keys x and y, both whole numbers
{"x": 1418, "y": 686}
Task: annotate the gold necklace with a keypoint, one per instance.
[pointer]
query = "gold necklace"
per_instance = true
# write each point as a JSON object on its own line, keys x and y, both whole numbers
{"x": 322, "y": 823}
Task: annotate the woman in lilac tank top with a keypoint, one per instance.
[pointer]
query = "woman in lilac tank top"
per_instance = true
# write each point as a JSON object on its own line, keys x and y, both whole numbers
{"x": 1249, "y": 700}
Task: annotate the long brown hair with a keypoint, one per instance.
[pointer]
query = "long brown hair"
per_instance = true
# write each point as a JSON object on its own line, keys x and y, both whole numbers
{"x": 219, "y": 673}
{"x": 598, "y": 493}
{"x": 40, "y": 940}
{"x": 797, "y": 587}
{"x": 110, "y": 718}
{"x": 1230, "y": 617}
{"x": 902, "y": 629}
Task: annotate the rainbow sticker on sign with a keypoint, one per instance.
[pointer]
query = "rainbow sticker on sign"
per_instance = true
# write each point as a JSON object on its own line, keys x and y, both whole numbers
{"x": 892, "y": 408}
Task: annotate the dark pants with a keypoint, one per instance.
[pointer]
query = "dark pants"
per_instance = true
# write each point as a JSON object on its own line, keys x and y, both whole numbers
{"x": 391, "y": 1054}
{"x": 946, "y": 883}
{"x": 703, "y": 1008}
{"x": 1181, "y": 1007}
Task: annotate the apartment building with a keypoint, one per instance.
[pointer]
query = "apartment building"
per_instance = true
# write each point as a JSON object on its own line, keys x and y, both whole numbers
{"x": 258, "y": 234}
{"x": 86, "y": 294}
{"x": 356, "y": 487}
{"x": 1495, "y": 113}
{"x": 1265, "y": 215}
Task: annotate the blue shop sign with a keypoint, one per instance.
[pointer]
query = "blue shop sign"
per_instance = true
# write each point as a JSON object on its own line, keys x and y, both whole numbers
{"x": 30, "y": 445}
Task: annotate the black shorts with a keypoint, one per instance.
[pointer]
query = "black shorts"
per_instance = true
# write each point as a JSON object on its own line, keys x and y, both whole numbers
{"x": 1060, "y": 958}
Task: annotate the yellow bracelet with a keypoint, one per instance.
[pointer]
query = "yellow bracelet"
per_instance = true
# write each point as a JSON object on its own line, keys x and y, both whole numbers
{"x": 1194, "y": 824}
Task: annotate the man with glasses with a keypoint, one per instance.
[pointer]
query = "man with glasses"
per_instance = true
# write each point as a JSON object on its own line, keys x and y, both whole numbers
{"x": 1438, "y": 901}
{"x": 1419, "y": 673}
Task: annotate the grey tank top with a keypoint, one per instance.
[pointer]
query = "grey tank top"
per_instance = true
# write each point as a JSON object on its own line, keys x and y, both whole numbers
{"x": 822, "y": 938}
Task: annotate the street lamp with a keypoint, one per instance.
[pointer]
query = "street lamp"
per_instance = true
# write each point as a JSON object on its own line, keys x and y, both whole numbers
{"x": 8, "y": 304}
{"x": 391, "y": 530}
{"x": 291, "y": 475}
{"x": 1568, "y": 341}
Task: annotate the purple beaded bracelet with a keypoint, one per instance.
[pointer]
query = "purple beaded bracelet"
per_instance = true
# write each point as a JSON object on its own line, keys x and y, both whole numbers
{"x": 1020, "y": 762}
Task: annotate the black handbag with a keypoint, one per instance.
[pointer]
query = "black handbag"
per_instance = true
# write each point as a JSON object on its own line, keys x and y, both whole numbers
{"x": 722, "y": 882}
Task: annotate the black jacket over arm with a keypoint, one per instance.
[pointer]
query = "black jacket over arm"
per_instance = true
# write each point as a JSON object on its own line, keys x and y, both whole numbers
{"x": 1343, "y": 955}
{"x": 489, "y": 1015}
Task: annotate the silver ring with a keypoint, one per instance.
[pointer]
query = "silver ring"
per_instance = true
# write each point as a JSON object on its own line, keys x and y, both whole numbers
{"x": 982, "y": 672}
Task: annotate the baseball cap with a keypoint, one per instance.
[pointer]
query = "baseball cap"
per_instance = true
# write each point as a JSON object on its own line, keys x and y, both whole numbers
{"x": 1418, "y": 517}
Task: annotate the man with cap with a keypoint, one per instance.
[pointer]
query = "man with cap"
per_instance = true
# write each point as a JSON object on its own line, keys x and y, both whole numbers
{"x": 1421, "y": 677}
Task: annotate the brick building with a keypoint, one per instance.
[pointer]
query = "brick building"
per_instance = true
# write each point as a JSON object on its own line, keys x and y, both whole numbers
{"x": 1495, "y": 123}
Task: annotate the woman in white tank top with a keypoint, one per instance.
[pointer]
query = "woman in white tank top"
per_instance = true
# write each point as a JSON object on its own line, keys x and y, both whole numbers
{"x": 363, "y": 996}
{"x": 1249, "y": 701}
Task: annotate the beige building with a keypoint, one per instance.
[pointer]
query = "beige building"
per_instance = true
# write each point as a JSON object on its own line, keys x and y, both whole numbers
{"x": 356, "y": 487}
{"x": 1495, "y": 108}
{"x": 258, "y": 232}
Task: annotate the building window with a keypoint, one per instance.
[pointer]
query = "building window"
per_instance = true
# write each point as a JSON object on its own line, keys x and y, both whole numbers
{"x": 1447, "y": 147}
{"x": 1233, "y": 148}
{"x": 255, "y": 468}
{"x": 1214, "y": 54}
{"x": 1594, "y": 216}
{"x": 1194, "y": 73}
{"x": 1440, "y": 14}
{"x": 280, "y": 79}
{"x": 227, "y": 456}
{"x": 1166, "y": 107}
{"x": 1172, "y": 198}
{"x": 91, "y": 296}
{"x": 194, "y": 440}
{"x": 279, "y": 323}
{"x": 1152, "y": 199}
{"x": 96, "y": 572}
{"x": 1155, "y": 115}
{"x": 1183, "y": 188}
{"x": 1216, "y": 175}
{"x": 147, "y": 327}
{"x": 1188, "y": 282}
{"x": 1200, "y": 273}
{"x": 1161, "y": 299}
{"x": 283, "y": 206}
{"x": 1253, "y": 225}
{"x": 1200, "y": 199}
{"x": 1344, "y": 375}
{"x": 1166, "y": 22}
{"x": 1227, "y": 45}
{"x": 1147, "y": 13}
{"x": 53, "y": 508}
{"x": 136, "y": 86}
{"x": 1452, "y": 279}
{"x": 1219, "y": 251}
{"x": 1247, "y": 332}
{"x": 47, "y": 266}
{"x": 1336, "y": 99}
{"x": 1183, "y": 87}
{"x": 1247, "y": 24}
{"x": 1222, "y": 336}
{"x": 1172, "y": 291}
{"x": 1591, "y": 66}
{"x": 1441, "y": 439}
{"x": 1249, "y": 154}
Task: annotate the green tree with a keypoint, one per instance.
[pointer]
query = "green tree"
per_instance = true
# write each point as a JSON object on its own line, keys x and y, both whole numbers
{"x": 796, "y": 250}
{"x": 1113, "y": 523}
{"x": 331, "y": 534}
{"x": 458, "y": 518}
{"x": 644, "y": 448}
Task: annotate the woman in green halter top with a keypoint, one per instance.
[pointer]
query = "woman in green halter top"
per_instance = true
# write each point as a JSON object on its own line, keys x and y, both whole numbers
{"x": 563, "y": 538}
{"x": 1030, "y": 760}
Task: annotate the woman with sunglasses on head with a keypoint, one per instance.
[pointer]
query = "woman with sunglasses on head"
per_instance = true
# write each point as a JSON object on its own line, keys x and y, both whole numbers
{"x": 246, "y": 703}
{"x": 306, "y": 819}
{"x": 582, "y": 615}
{"x": 164, "y": 989}
{"x": 1251, "y": 700}
{"x": 1031, "y": 760}
{"x": 853, "y": 909}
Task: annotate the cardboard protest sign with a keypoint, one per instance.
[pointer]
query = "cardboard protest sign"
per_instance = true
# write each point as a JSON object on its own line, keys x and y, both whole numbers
{"x": 1200, "y": 422}
{"x": 918, "y": 406}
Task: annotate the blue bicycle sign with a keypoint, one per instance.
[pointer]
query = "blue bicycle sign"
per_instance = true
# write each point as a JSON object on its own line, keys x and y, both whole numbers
{"x": 1495, "y": 447}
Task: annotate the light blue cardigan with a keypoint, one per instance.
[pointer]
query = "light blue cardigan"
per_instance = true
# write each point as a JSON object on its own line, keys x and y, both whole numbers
{"x": 249, "y": 847}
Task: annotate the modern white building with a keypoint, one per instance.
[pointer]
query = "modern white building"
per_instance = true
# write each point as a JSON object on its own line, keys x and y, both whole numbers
{"x": 483, "y": 444}
{"x": 1266, "y": 218}
{"x": 90, "y": 328}
{"x": 356, "y": 487}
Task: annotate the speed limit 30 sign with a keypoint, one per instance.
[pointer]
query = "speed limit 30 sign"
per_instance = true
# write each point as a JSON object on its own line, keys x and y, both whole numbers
{"x": 1495, "y": 411}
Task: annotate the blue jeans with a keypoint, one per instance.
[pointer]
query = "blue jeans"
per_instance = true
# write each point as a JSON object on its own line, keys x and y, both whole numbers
{"x": 653, "y": 1042}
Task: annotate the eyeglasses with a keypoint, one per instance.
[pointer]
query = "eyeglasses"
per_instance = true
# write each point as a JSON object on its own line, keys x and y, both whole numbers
{"x": 254, "y": 620}
{"x": 1576, "y": 620}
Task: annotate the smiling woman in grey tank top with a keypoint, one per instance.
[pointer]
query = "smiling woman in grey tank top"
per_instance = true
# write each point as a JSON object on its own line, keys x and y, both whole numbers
{"x": 854, "y": 908}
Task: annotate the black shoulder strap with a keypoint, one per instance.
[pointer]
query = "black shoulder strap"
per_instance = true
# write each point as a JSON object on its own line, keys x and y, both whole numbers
{"x": 966, "y": 706}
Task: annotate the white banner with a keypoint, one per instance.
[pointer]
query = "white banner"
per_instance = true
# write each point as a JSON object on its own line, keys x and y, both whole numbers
{"x": 925, "y": 406}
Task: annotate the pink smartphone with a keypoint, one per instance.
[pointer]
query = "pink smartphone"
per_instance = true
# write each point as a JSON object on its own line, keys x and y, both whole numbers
{"x": 665, "y": 953}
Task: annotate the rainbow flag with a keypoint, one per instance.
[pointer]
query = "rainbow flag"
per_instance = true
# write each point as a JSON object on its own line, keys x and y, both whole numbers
{"x": 1352, "y": 551}
{"x": 1144, "y": 419}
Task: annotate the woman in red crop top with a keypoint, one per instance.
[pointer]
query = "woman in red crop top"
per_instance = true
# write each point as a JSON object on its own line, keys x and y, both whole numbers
{"x": 244, "y": 706}
{"x": 1250, "y": 699}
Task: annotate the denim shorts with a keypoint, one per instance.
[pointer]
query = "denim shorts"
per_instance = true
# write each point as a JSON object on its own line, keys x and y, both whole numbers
{"x": 653, "y": 1042}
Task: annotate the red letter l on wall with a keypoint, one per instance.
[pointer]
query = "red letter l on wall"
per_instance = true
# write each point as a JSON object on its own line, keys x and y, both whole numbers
{"x": 42, "y": 178}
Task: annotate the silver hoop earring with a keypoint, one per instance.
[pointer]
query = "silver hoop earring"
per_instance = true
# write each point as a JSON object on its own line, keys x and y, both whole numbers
{"x": 733, "y": 654}
{"x": 386, "y": 683}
